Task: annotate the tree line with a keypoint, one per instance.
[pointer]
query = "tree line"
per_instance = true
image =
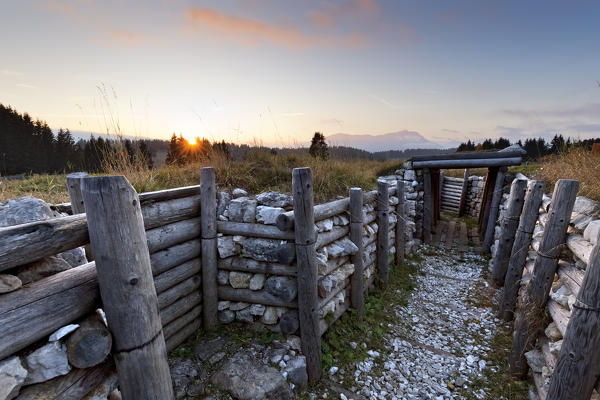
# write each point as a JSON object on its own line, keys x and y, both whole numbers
{"x": 535, "y": 147}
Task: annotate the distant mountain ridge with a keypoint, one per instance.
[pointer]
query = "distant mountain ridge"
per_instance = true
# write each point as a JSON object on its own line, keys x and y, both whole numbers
{"x": 400, "y": 140}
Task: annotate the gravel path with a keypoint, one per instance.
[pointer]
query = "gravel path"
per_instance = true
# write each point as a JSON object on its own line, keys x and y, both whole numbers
{"x": 439, "y": 346}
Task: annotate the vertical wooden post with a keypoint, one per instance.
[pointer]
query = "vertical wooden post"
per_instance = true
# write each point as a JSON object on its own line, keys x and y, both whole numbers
{"x": 383, "y": 240}
{"x": 77, "y": 207}
{"x": 529, "y": 216}
{"x": 356, "y": 235}
{"x": 434, "y": 174}
{"x": 509, "y": 228}
{"x": 529, "y": 317}
{"x": 484, "y": 211}
{"x": 427, "y": 206}
{"x": 401, "y": 223}
{"x": 308, "y": 301}
{"x": 208, "y": 221}
{"x": 118, "y": 240}
{"x": 576, "y": 371}
{"x": 463, "y": 194}
{"x": 494, "y": 208}
{"x": 440, "y": 188}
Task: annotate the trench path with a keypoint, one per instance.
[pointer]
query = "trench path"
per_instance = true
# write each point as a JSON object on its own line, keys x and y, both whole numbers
{"x": 440, "y": 347}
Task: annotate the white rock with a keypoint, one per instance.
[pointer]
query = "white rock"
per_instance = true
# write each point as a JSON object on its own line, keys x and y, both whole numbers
{"x": 62, "y": 332}
{"x": 237, "y": 192}
{"x": 47, "y": 362}
{"x": 592, "y": 231}
{"x": 257, "y": 309}
{"x": 325, "y": 225}
{"x": 333, "y": 370}
{"x": 227, "y": 247}
{"x": 223, "y": 305}
{"x": 257, "y": 281}
{"x": 268, "y": 215}
{"x": 12, "y": 377}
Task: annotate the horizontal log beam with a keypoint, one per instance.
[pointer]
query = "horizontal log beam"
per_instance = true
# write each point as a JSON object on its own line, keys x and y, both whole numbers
{"x": 285, "y": 221}
{"x": 580, "y": 247}
{"x": 468, "y": 156}
{"x": 180, "y": 307}
{"x": 251, "y": 296}
{"x": 325, "y": 238}
{"x": 164, "y": 260}
{"x": 253, "y": 230}
{"x": 464, "y": 163}
{"x": 177, "y": 275}
{"x": 181, "y": 336}
{"x": 256, "y": 267}
{"x": 169, "y": 235}
{"x": 169, "y": 194}
{"x": 167, "y": 212}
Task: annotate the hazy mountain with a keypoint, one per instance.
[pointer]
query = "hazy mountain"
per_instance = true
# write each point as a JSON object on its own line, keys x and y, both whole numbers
{"x": 400, "y": 140}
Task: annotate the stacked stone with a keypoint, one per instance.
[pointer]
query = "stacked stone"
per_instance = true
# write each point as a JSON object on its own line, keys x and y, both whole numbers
{"x": 581, "y": 237}
{"x": 413, "y": 192}
{"x": 243, "y": 250}
{"x": 474, "y": 195}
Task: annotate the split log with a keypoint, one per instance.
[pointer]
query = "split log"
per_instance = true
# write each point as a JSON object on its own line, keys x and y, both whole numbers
{"x": 528, "y": 321}
{"x": 325, "y": 238}
{"x": 456, "y": 164}
{"x": 177, "y": 275}
{"x": 334, "y": 264}
{"x": 169, "y": 235}
{"x": 169, "y": 194}
{"x": 308, "y": 300}
{"x": 208, "y": 189}
{"x": 339, "y": 311}
{"x": 178, "y": 291}
{"x": 285, "y": 221}
{"x": 476, "y": 155}
{"x": 580, "y": 247}
{"x": 559, "y": 315}
{"x": 512, "y": 281}
{"x": 40, "y": 308}
{"x": 253, "y": 230}
{"x": 166, "y": 259}
{"x": 178, "y": 324}
{"x": 75, "y": 385}
{"x": 253, "y": 296}
{"x": 356, "y": 235}
{"x": 400, "y": 224}
{"x": 256, "y": 267}
{"x": 576, "y": 372}
{"x": 25, "y": 243}
{"x": 167, "y": 212}
{"x": 343, "y": 286}
{"x": 90, "y": 344}
{"x": 494, "y": 209}
{"x": 571, "y": 276}
{"x": 127, "y": 288}
{"x": 182, "y": 335}
{"x": 509, "y": 225}
{"x": 180, "y": 307}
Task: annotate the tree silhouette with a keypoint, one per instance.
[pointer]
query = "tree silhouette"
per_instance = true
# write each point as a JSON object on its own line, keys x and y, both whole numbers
{"x": 318, "y": 146}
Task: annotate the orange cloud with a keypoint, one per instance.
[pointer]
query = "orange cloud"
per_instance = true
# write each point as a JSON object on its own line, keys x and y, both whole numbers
{"x": 63, "y": 8}
{"x": 250, "y": 32}
{"x": 128, "y": 38}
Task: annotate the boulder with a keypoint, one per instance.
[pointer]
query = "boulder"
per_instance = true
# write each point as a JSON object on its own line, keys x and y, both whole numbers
{"x": 409, "y": 175}
{"x": 242, "y": 209}
{"x": 9, "y": 283}
{"x": 74, "y": 257}
{"x": 186, "y": 376}
{"x": 269, "y": 250}
{"x": 257, "y": 281}
{"x": 257, "y": 309}
{"x": 12, "y": 377}
{"x": 239, "y": 305}
{"x": 270, "y": 316}
{"x": 237, "y": 193}
{"x": 223, "y": 305}
{"x": 227, "y": 247}
{"x": 592, "y": 231}
{"x": 205, "y": 348}
{"x": 226, "y": 316}
{"x": 246, "y": 378}
{"x": 296, "y": 371}
{"x": 268, "y": 215}
{"x": 23, "y": 210}
{"x": 47, "y": 362}
{"x": 584, "y": 205}
{"x": 282, "y": 287}
{"x": 552, "y": 332}
{"x": 324, "y": 225}
{"x": 244, "y": 315}
{"x": 275, "y": 199}
{"x": 536, "y": 360}
{"x": 239, "y": 280}
{"x": 223, "y": 199}
{"x": 223, "y": 277}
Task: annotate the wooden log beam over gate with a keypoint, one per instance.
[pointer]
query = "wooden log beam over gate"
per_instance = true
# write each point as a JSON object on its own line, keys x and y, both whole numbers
{"x": 127, "y": 288}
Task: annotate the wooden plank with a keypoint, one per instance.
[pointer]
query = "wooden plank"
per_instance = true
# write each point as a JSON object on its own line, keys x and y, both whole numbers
{"x": 177, "y": 275}
{"x": 538, "y": 289}
{"x": 169, "y": 235}
{"x": 167, "y": 212}
{"x": 453, "y": 164}
{"x": 576, "y": 371}
{"x": 488, "y": 237}
{"x": 509, "y": 226}
{"x": 463, "y": 239}
{"x": 253, "y": 230}
{"x": 256, "y": 267}
{"x": 126, "y": 286}
{"x": 325, "y": 238}
{"x": 40, "y": 308}
{"x": 308, "y": 300}
{"x": 208, "y": 200}
{"x": 383, "y": 245}
{"x": 467, "y": 156}
{"x": 356, "y": 235}
{"x": 166, "y": 259}
{"x": 450, "y": 234}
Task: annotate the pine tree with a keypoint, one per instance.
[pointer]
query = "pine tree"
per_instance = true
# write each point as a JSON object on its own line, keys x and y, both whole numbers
{"x": 318, "y": 146}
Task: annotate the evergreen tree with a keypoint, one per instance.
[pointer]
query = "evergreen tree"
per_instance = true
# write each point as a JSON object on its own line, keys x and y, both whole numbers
{"x": 318, "y": 146}
{"x": 557, "y": 144}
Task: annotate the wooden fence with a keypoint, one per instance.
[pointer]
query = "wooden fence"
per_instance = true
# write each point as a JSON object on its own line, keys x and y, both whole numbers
{"x": 159, "y": 258}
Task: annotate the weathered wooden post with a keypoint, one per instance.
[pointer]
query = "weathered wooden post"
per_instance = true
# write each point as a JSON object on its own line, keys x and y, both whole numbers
{"x": 401, "y": 223}
{"x": 494, "y": 206}
{"x": 383, "y": 240}
{"x": 509, "y": 227}
{"x": 77, "y": 207}
{"x": 463, "y": 194}
{"x": 356, "y": 235}
{"x": 118, "y": 240}
{"x": 529, "y": 216}
{"x": 208, "y": 221}
{"x": 488, "y": 190}
{"x": 308, "y": 300}
{"x": 427, "y": 206}
{"x": 529, "y": 316}
{"x": 578, "y": 366}
{"x": 441, "y": 186}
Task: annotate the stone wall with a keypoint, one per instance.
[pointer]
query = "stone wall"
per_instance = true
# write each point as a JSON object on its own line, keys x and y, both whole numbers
{"x": 474, "y": 195}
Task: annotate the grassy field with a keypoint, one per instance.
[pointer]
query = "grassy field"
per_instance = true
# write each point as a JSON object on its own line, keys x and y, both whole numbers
{"x": 260, "y": 171}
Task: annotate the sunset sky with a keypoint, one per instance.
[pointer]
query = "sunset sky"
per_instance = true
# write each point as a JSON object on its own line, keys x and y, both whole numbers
{"x": 277, "y": 71}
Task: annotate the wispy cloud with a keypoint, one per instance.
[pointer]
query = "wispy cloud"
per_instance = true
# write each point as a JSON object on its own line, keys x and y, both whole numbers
{"x": 125, "y": 37}
{"x": 8, "y": 72}
{"x": 385, "y": 102}
{"x": 330, "y": 14}
{"x": 66, "y": 9}
{"x": 591, "y": 110}
{"x": 252, "y": 32}
{"x": 26, "y": 86}
{"x": 585, "y": 128}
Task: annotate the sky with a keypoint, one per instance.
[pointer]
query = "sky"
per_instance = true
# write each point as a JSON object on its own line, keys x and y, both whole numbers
{"x": 274, "y": 72}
